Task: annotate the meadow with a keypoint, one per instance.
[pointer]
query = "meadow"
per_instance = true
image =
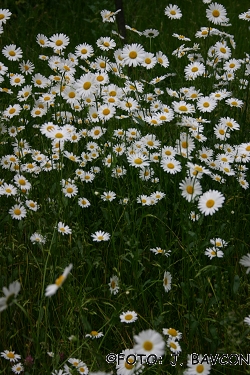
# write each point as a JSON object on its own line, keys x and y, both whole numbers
{"x": 124, "y": 188}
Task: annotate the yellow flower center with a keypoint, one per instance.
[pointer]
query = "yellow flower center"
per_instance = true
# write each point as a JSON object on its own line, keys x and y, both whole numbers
{"x": 160, "y": 60}
{"x": 17, "y": 211}
{"x": 200, "y": 368}
{"x": 173, "y": 345}
{"x": 173, "y": 12}
{"x": 106, "y": 44}
{"x": 172, "y": 332}
{"x": 38, "y": 82}
{"x": 12, "y": 110}
{"x": 94, "y": 333}
{"x": 213, "y": 252}
{"x": 70, "y": 190}
{"x": 58, "y": 135}
{"x": 184, "y": 144}
{"x": 133, "y": 54}
{"x": 71, "y": 94}
{"x": 198, "y": 168}
{"x": 148, "y": 345}
{"x": 206, "y": 104}
{"x": 204, "y": 156}
{"x": 86, "y": 85}
{"x": 138, "y": 161}
{"x": 216, "y": 13}
{"x": 12, "y": 53}
{"x": 59, "y": 43}
{"x": 128, "y": 366}
{"x": 100, "y": 78}
{"x": 84, "y": 51}
{"x": 10, "y": 355}
{"x": 183, "y": 108}
{"x": 204, "y": 32}
{"x": 210, "y": 203}
{"x": 147, "y": 60}
{"x": 190, "y": 189}
{"x": 106, "y": 112}
{"x": 194, "y": 69}
{"x": 234, "y": 103}
{"x": 170, "y": 165}
{"x": 2, "y": 16}
{"x": 222, "y": 132}
{"x": 128, "y": 317}
{"x": 223, "y": 50}
{"x": 60, "y": 279}
{"x": 113, "y": 284}
{"x": 17, "y": 80}
{"x": 103, "y": 64}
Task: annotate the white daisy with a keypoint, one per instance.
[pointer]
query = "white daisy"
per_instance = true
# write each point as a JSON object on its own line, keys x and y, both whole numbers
{"x": 210, "y": 202}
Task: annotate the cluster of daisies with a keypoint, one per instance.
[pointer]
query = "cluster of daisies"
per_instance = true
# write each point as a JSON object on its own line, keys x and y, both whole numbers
{"x": 88, "y": 116}
{"x": 88, "y": 100}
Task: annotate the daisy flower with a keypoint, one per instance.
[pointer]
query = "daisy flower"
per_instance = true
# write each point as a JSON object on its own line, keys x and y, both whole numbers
{"x": 218, "y": 242}
{"x": 138, "y": 160}
{"x": 194, "y": 69}
{"x": 18, "y": 368}
{"x": 37, "y": 238}
{"x": 105, "y": 43}
{"x": 149, "y": 60}
{"x": 12, "y": 52}
{"x": 167, "y": 279}
{"x": 190, "y": 188}
{"x": 32, "y": 205}
{"x": 52, "y": 289}
{"x": 133, "y": 54}
{"x": 173, "y": 345}
{"x": 173, "y": 12}
{"x": 128, "y": 317}
{"x": 210, "y": 202}
{"x": 182, "y": 107}
{"x": 108, "y": 196}
{"x": 170, "y": 165}
{"x": 84, "y": 51}
{"x": 58, "y": 41}
{"x": 94, "y": 334}
{"x": 216, "y": 13}
{"x": 70, "y": 190}
{"x": 200, "y": 368}
{"x": 128, "y": 365}
{"x": 114, "y": 285}
{"x": 162, "y": 59}
{"x": 12, "y": 110}
{"x": 9, "y": 296}
{"x": 234, "y": 102}
{"x": 150, "y": 33}
{"x": 206, "y": 104}
{"x": 247, "y": 320}
{"x": 159, "y": 250}
{"x": 245, "y": 261}
{"x": 83, "y": 202}
{"x": 10, "y": 355}
{"x": 149, "y": 342}
{"x": 171, "y": 332}
{"x": 26, "y": 67}
{"x": 108, "y": 16}
{"x": 212, "y": 252}
{"x": 100, "y": 236}
{"x": 106, "y": 112}
{"x": 245, "y": 16}
{"x": 17, "y": 212}
{"x": 4, "y": 15}
{"x": 64, "y": 229}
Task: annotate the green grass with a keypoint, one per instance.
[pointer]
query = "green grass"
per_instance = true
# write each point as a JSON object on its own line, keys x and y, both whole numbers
{"x": 208, "y": 300}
